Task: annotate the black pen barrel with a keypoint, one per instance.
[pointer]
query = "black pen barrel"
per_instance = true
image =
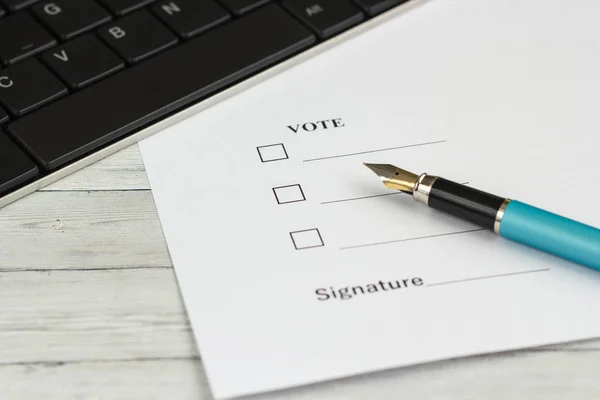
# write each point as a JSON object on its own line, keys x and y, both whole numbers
{"x": 465, "y": 202}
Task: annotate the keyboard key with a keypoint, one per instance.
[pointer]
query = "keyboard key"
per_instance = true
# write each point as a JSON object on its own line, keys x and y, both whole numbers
{"x": 82, "y": 61}
{"x": 15, "y": 167}
{"x": 112, "y": 108}
{"x": 68, "y": 18}
{"x": 3, "y": 116}
{"x": 239, "y": 7}
{"x": 374, "y": 7}
{"x": 22, "y": 37}
{"x": 137, "y": 36}
{"x": 190, "y": 17}
{"x": 28, "y": 85}
{"x": 122, "y": 7}
{"x": 326, "y": 17}
{"x": 14, "y": 5}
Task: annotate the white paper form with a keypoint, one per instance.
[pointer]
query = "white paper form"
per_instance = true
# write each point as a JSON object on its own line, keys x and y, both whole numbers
{"x": 297, "y": 265}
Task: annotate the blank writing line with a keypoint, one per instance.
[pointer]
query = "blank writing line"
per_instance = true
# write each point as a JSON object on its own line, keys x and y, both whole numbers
{"x": 487, "y": 277}
{"x": 373, "y": 151}
{"x": 361, "y": 198}
{"x": 410, "y": 239}
{"x": 369, "y": 197}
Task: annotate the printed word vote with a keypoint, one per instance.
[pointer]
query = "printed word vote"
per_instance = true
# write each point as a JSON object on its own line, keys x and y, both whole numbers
{"x": 317, "y": 125}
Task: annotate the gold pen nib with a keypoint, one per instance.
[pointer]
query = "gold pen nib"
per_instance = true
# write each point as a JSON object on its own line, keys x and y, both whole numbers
{"x": 394, "y": 177}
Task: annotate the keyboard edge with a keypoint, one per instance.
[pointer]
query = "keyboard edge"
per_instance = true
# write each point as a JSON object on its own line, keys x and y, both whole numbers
{"x": 209, "y": 102}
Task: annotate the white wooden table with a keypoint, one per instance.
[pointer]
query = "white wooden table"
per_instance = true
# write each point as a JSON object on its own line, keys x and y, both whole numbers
{"x": 90, "y": 309}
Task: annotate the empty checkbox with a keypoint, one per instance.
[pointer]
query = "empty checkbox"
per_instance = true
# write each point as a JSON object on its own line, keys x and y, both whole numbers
{"x": 307, "y": 239}
{"x": 272, "y": 152}
{"x": 288, "y": 194}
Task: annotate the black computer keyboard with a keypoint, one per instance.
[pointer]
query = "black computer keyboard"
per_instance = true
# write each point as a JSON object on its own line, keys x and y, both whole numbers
{"x": 79, "y": 75}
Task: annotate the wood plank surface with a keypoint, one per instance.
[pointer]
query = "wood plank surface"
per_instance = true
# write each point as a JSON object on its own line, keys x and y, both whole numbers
{"x": 72, "y": 316}
{"x": 90, "y": 309}
{"x": 122, "y": 171}
{"x": 82, "y": 230}
{"x": 513, "y": 376}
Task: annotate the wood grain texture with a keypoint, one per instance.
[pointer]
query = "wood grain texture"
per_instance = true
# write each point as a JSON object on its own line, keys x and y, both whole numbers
{"x": 512, "y": 376}
{"x": 90, "y": 309}
{"x": 72, "y": 316}
{"x": 82, "y": 230}
{"x": 122, "y": 171}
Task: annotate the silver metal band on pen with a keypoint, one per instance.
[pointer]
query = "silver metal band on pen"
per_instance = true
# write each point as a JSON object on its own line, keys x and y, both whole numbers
{"x": 423, "y": 188}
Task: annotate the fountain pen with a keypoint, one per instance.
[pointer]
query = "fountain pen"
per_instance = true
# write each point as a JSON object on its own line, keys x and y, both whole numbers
{"x": 508, "y": 218}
